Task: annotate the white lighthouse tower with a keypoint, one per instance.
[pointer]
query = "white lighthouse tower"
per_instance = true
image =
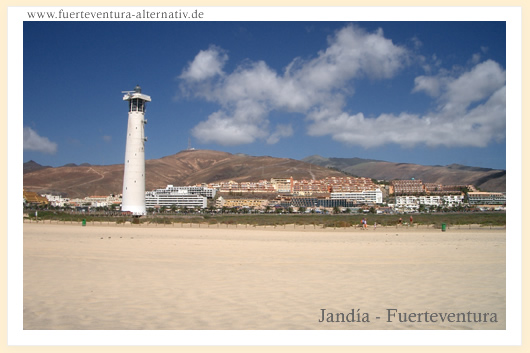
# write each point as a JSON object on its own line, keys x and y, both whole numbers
{"x": 133, "y": 199}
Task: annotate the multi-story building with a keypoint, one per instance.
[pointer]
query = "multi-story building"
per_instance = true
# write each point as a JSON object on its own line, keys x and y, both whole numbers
{"x": 156, "y": 200}
{"x": 193, "y": 190}
{"x": 452, "y": 200}
{"x": 402, "y": 187}
{"x": 32, "y": 198}
{"x": 291, "y": 186}
{"x": 486, "y": 198}
{"x": 413, "y": 202}
{"x": 317, "y": 202}
{"x": 283, "y": 185}
{"x": 92, "y": 201}
{"x": 429, "y": 200}
{"x": 248, "y": 203}
{"x": 56, "y": 200}
{"x": 262, "y": 186}
{"x": 102, "y": 201}
{"x": 433, "y": 187}
{"x": 345, "y": 184}
{"x": 406, "y": 203}
{"x": 179, "y": 196}
{"x": 365, "y": 196}
{"x": 309, "y": 187}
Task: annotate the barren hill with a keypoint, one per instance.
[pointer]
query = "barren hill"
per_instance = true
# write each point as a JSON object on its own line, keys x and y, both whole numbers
{"x": 484, "y": 178}
{"x": 204, "y": 166}
{"x": 32, "y": 166}
{"x": 183, "y": 168}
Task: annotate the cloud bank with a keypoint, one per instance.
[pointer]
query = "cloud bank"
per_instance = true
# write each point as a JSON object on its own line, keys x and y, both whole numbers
{"x": 470, "y": 105}
{"x": 34, "y": 142}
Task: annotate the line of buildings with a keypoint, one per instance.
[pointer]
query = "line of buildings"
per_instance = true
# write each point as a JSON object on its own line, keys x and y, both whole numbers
{"x": 412, "y": 186}
{"x": 296, "y": 187}
{"x": 328, "y": 193}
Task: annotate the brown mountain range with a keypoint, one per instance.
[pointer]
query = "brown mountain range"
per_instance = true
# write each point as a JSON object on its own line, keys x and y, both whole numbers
{"x": 183, "y": 168}
{"x": 204, "y": 166}
{"x": 483, "y": 178}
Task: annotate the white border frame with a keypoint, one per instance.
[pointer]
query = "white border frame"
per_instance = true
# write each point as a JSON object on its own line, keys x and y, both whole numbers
{"x": 511, "y": 336}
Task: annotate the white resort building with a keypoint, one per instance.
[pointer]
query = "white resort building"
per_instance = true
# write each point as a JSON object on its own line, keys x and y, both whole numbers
{"x": 487, "y": 198}
{"x": 410, "y": 203}
{"x": 194, "y": 190}
{"x": 370, "y": 196}
{"x": 179, "y": 196}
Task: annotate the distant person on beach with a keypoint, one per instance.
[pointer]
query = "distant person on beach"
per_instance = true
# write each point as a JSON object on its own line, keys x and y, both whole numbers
{"x": 375, "y": 225}
{"x": 411, "y": 220}
{"x": 400, "y": 221}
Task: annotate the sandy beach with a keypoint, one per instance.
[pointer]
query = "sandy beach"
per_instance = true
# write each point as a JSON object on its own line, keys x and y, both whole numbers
{"x": 171, "y": 278}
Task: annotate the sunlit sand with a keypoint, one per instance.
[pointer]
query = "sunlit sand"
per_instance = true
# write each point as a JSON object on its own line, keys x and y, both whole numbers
{"x": 173, "y": 278}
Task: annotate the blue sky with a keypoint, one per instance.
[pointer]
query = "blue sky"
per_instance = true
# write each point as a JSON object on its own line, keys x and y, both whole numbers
{"x": 430, "y": 93}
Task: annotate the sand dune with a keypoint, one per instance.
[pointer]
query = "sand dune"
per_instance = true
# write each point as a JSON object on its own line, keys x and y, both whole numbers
{"x": 108, "y": 277}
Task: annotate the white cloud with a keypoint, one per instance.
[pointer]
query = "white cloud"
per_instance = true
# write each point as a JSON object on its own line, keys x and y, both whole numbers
{"x": 456, "y": 122}
{"x": 304, "y": 85}
{"x": 427, "y": 84}
{"x": 244, "y": 125}
{"x": 280, "y": 132}
{"x": 207, "y": 64}
{"x": 475, "y": 85}
{"x": 475, "y": 59}
{"x": 34, "y": 142}
{"x": 470, "y": 111}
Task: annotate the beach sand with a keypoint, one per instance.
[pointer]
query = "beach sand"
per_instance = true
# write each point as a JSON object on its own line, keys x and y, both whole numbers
{"x": 172, "y": 278}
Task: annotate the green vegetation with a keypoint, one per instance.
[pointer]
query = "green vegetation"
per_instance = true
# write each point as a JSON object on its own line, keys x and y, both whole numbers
{"x": 329, "y": 220}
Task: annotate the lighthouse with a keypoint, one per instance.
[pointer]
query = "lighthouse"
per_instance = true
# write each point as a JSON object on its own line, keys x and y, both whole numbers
{"x": 133, "y": 199}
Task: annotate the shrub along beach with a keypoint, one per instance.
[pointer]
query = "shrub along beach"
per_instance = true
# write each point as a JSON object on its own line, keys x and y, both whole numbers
{"x": 434, "y": 220}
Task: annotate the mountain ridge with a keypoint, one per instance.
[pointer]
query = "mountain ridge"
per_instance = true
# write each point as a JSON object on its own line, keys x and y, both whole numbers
{"x": 190, "y": 167}
{"x": 453, "y": 174}
{"x": 187, "y": 167}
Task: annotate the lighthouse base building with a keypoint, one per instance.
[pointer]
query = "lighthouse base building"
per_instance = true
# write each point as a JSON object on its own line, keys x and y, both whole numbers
{"x": 133, "y": 199}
